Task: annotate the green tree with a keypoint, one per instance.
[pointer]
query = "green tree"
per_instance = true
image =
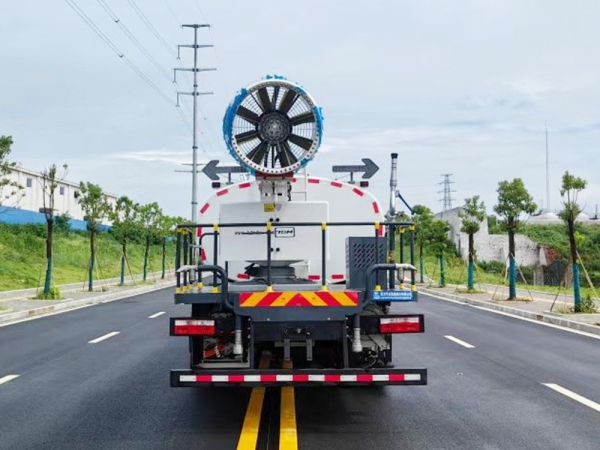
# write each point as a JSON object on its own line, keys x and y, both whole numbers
{"x": 124, "y": 219}
{"x": 149, "y": 219}
{"x": 570, "y": 189}
{"x": 513, "y": 201}
{"x": 50, "y": 180}
{"x": 439, "y": 244}
{"x": 167, "y": 227}
{"x": 423, "y": 218}
{"x": 471, "y": 215}
{"x": 9, "y": 189}
{"x": 96, "y": 208}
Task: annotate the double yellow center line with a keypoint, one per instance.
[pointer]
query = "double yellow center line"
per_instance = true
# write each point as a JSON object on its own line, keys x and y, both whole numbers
{"x": 288, "y": 434}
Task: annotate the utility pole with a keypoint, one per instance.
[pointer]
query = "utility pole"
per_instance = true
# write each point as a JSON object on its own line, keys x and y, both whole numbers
{"x": 547, "y": 172}
{"x": 195, "y": 95}
{"x": 447, "y": 200}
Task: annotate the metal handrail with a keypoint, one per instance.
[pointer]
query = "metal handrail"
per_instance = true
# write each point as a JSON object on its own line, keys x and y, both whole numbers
{"x": 297, "y": 224}
{"x": 268, "y": 233}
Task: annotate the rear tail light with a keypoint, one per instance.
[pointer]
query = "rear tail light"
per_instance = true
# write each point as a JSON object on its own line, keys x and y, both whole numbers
{"x": 411, "y": 324}
{"x": 186, "y": 327}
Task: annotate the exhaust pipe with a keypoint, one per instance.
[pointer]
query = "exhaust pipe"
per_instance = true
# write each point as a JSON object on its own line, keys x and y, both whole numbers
{"x": 393, "y": 185}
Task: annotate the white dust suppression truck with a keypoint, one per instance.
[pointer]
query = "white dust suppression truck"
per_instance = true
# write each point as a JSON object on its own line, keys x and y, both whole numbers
{"x": 290, "y": 277}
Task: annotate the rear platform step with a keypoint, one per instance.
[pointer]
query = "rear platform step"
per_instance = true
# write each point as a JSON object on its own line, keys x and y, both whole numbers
{"x": 308, "y": 377}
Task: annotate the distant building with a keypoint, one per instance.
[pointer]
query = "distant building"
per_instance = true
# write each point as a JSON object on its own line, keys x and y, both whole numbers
{"x": 493, "y": 247}
{"x": 31, "y": 200}
{"x": 552, "y": 217}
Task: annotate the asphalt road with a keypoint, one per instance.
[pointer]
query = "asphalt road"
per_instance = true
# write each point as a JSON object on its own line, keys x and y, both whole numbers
{"x": 115, "y": 394}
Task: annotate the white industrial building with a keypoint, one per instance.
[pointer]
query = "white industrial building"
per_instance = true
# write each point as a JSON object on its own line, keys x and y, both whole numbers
{"x": 31, "y": 198}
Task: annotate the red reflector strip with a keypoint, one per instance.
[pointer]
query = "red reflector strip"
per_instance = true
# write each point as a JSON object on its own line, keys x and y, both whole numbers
{"x": 203, "y": 255}
{"x": 337, "y": 276}
{"x": 399, "y": 325}
{"x": 358, "y": 192}
{"x": 223, "y": 192}
{"x": 245, "y": 185}
{"x": 193, "y": 326}
{"x": 314, "y": 277}
{"x": 243, "y": 276}
{"x": 301, "y": 378}
{"x": 204, "y": 208}
{"x": 397, "y": 377}
{"x": 376, "y": 207}
{"x": 336, "y": 184}
{"x": 314, "y": 180}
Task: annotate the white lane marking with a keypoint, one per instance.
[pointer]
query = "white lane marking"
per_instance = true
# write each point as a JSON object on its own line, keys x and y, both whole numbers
{"x": 154, "y": 316}
{"x": 514, "y": 316}
{"x": 574, "y": 396}
{"x": 459, "y": 342}
{"x": 102, "y": 338}
{"x": 8, "y": 378}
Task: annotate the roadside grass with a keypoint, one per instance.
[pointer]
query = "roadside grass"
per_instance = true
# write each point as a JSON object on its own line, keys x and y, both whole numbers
{"x": 23, "y": 257}
{"x": 456, "y": 274}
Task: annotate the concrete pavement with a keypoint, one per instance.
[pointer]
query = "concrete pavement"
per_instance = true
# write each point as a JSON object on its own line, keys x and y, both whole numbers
{"x": 531, "y": 304}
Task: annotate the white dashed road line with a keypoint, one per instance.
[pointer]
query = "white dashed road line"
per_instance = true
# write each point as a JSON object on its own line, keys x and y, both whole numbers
{"x": 154, "y": 316}
{"x": 102, "y": 338}
{"x": 8, "y": 378}
{"x": 572, "y": 395}
{"x": 459, "y": 342}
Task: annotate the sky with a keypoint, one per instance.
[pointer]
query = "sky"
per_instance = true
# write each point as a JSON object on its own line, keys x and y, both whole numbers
{"x": 463, "y": 87}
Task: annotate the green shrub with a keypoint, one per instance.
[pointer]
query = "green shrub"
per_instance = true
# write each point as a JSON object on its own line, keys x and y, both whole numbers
{"x": 588, "y": 305}
{"x": 53, "y": 294}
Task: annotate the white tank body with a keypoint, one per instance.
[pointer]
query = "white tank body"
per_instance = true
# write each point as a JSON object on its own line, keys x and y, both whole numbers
{"x": 313, "y": 199}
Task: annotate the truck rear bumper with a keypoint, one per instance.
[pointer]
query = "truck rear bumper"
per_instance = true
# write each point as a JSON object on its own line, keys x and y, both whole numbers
{"x": 305, "y": 377}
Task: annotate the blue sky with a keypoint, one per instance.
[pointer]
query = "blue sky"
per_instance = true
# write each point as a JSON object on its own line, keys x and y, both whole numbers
{"x": 461, "y": 87}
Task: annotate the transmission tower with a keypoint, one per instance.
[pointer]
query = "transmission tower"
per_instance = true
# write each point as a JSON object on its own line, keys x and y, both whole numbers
{"x": 447, "y": 200}
{"x": 195, "y": 95}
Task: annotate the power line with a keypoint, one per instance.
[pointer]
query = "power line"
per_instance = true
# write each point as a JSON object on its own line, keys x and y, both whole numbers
{"x": 173, "y": 14}
{"x": 199, "y": 9}
{"x": 148, "y": 24}
{"x": 93, "y": 26}
{"x": 116, "y": 50}
{"x": 132, "y": 38}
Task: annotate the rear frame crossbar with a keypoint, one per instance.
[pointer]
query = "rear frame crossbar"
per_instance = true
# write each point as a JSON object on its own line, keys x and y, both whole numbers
{"x": 302, "y": 377}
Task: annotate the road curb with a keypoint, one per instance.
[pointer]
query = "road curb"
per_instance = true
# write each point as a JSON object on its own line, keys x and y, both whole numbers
{"x": 542, "y": 317}
{"x": 72, "y": 304}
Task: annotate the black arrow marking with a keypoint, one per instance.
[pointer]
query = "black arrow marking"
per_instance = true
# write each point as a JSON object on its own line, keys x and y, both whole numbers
{"x": 369, "y": 168}
{"x": 211, "y": 169}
